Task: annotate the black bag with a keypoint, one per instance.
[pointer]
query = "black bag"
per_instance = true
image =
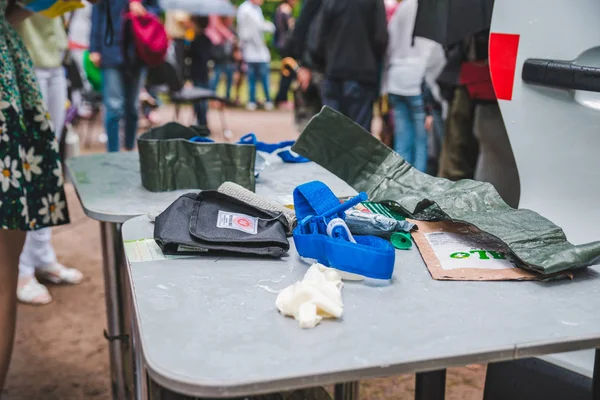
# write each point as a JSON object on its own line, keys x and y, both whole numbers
{"x": 215, "y": 222}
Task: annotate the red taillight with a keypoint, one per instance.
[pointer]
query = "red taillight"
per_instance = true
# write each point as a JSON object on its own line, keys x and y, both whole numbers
{"x": 503, "y": 60}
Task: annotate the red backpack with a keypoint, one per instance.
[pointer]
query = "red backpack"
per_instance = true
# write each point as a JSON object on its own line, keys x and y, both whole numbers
{"x": 475, "y": 75}
{"x": 150, "y": 38}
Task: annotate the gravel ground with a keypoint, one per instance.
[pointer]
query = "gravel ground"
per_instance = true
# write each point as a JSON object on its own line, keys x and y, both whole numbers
{"x": 60, "y": 352}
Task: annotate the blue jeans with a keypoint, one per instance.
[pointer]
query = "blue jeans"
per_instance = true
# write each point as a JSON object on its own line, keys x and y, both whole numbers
{"x": 258, "y": 71}
{"x": 121, "y": 91}
{"x": 410, "y": 136}
{"x": 228, "y": 69}
{"x": 353, "y": 99}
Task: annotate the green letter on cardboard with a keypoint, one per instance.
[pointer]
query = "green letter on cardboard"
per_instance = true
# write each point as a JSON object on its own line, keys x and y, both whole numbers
{"x": 460, "y": 254}
{"x": 482, "y": 254}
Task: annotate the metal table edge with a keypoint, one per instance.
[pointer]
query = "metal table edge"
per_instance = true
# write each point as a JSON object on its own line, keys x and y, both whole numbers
{"x": 224, "y": 390}
{"x": 560, "y": 345}
{"x": 98, "y": 216}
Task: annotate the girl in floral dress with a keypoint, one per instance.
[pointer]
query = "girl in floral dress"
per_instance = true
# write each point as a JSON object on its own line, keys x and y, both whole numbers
{"x": 31, "y": 180}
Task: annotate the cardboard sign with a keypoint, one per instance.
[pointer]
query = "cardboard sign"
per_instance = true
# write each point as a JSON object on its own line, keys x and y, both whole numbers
{"x": 455, "y": 251}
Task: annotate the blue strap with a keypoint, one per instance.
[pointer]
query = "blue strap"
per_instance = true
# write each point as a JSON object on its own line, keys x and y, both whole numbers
{"x": 260, "y": 146}
{"x": 289, "y": 156}
{"x": 285, "y": 153}
{"x": 312, "y": 199}
{"x": 283, "y": 149}
{"x": 201, "y": 139}
{"x": 316, "y": 206}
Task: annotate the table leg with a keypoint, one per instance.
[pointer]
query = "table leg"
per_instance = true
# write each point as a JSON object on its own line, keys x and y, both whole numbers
{"x": 110, "y": 236}
{"x": 141, "y": 381}
{"x": 140, "y": 384}
{"x": 346, "y": 391}
{"x": 596, "y": 382}
{"x": 431, "y": 385}
{"x": 128, "y": 351}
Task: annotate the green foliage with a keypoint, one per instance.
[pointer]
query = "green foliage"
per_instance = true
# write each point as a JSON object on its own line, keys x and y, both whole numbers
{"x": 268, "y": 8}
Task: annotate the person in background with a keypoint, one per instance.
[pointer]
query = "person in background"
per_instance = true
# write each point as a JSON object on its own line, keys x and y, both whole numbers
{"x": 309, "y": 75}
{"x": 239, "y": 72}
{"x": 79, "y": 41}
{"x": 200, "y": 53}
{"x": 407, "y": 62}
{"x": 386, "y": 135}
{"x": 436, "y": 106}
{"x": 351, "y": 42}
{"x": 221, "y": 34}
{"x": 284, "y": 24}
{"x": 482, "y": 147}
{"x": 434, "y": 125}
{"x": 251, "y": 29}
{"x": 46, "y": 41}
{"x": 122, "y": 76}
{"x": 460, "y": 149}
{"x": 176, "y": 25}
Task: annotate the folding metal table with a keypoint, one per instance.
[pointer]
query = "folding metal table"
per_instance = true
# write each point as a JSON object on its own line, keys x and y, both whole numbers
{"x": 208, "y": 326}
{"x": 110, "y": 191}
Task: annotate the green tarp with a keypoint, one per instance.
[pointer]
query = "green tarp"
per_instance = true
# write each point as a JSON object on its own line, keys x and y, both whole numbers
{"x": 348, "y": 151}
{"x": 169, "y": 161}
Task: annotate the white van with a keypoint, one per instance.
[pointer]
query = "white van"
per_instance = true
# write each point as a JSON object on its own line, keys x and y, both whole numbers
{"x": 545, "y": 65}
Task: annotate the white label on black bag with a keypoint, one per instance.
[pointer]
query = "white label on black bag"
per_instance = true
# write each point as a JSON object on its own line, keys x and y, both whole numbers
{"x": 240, "y": 222}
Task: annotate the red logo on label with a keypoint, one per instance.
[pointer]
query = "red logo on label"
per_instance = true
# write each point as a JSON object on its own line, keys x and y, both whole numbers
{"x": 243, "y": 222}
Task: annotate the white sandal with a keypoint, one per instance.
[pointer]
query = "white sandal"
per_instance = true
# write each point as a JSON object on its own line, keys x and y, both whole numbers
{"x": 33, "y": 293}
{"x": 57, "y": 273}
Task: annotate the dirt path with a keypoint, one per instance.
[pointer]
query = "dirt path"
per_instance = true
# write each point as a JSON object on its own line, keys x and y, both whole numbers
{"x": 60, "y": 352}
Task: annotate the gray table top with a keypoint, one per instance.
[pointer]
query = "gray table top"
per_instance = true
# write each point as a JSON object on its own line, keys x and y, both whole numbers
{"x": 209, "y": 326}
{"x": 110, "y": 189}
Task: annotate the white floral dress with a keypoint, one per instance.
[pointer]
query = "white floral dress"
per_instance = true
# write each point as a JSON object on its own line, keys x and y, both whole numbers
{"x": 31, "y": 179}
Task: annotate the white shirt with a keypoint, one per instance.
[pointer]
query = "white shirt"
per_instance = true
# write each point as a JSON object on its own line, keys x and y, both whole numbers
{"x": 435, "y": 66}
{"x": 251, "y": 28}
{"x": 81, "y": 25}
{"x": 407, "y": 63}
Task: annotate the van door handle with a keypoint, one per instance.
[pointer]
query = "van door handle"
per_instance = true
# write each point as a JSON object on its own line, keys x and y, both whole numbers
{"x": 561, "y": 74}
